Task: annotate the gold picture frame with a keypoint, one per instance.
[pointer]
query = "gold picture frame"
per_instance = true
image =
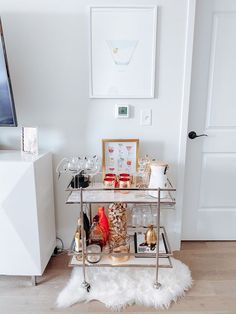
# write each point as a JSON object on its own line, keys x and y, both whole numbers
{"x": 120, "y": 155}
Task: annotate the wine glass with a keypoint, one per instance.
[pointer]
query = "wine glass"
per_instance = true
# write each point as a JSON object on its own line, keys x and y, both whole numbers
{"x": 92, "y": 165}
{"x": 147, "y": 218}
{"x": 89, "y": 166}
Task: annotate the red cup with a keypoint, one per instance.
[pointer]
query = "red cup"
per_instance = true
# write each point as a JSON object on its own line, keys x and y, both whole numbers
{"x": 124, "y": 183}
{"x": 109, "y": 182}
{"x": 124, "y": 175}
{"x": 110, "y": 175}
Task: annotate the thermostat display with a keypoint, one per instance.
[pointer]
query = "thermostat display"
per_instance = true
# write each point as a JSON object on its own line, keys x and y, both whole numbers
{"x": 122, "y": 111}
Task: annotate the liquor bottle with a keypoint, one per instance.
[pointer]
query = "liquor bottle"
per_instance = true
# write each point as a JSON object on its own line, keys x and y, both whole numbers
{"x": 78, "y": 240}
{"x": 103, "y": 222}
{"x": 86, "y": 227}
{"x": 96, "y": 235}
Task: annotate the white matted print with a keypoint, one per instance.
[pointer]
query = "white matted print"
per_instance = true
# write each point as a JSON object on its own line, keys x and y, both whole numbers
{"x": 122, "y": 52}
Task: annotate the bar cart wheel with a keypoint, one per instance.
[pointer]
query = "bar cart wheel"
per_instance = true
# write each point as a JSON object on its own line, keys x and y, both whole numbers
{"x": 157, "y": 285}
{"x": 86, "y": 285}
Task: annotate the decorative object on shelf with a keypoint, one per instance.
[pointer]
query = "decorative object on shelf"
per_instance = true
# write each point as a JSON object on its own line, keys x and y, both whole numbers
{"x": 143, "y": 215}
{"x": 78, "y": 241}
{"x": 118, "y": 224}
{"x": 142, "y": 249}
{"x": 126, "y": 286}
{"x": 120, "y": 156}
{"x": 125, "y": 175}
{"x": 115, "y": 255}
{"x": 151, "y": 237}
{"x": 126, "y": 59}
{"x": 158, "y": 178}
{"x": 93, "y": 258}
{"x": 110, "y": 182}
{"x": 103, "y": 223}
{"x": 124, "y": 183}
{"x": 29, "y": 140}
{"x": 143, "y": 171}
{"x": 80, "y": 181}
{"x": 96, "y": 235}
{"x": 82, "y": 169}
{"x": 136, "y": 217}
{"x": 86, "y": 227}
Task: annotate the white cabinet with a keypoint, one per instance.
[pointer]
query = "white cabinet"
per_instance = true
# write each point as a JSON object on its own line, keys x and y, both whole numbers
{"x": 27, "y": 220}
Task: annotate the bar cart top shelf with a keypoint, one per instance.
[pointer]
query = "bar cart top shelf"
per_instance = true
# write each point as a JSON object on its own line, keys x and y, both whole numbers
{"x": 96, "y": 193}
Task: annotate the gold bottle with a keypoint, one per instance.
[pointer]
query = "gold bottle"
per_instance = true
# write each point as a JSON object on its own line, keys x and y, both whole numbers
{"x": 78, "y": 241}
{"x": 150, "y": 236}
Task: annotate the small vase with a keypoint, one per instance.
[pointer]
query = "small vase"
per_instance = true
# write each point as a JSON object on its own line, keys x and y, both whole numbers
{"x": 103, "y": 223}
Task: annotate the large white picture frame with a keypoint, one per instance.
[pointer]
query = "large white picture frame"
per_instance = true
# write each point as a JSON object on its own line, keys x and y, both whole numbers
{"x": 122, "y": 51}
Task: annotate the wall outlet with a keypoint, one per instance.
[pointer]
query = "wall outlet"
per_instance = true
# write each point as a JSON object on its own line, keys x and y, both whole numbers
{"x": 146, "y": 117}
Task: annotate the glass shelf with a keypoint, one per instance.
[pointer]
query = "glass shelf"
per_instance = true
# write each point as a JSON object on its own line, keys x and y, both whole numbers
{"x": 164, "y": 262}
{"x": 135, "y": 259}
{"x": 98, "y": 194}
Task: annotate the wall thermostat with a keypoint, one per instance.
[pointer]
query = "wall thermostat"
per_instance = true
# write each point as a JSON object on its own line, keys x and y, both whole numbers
{"x": 122, "y": 111}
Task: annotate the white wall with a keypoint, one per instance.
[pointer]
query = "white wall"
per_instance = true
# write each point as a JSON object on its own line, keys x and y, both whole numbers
{"x": 47, "y": 44}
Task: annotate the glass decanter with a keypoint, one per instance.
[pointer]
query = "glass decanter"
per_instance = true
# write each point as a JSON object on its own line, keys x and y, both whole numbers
{"x": 96, "y": 235}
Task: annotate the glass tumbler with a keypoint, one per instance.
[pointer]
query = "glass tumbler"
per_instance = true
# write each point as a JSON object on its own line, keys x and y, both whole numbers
{"x": 93, "y": 258}
{"x": 147, "y": 218}
{"x": 136, "y": 217}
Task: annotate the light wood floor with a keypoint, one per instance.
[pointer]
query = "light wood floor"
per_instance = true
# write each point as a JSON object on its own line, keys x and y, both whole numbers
{"x": 213, "y": 266}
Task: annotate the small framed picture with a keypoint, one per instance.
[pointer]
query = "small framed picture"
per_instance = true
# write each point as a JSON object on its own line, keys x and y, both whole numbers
{"x": 29, "y": 140}
{"x": 120, "y": 156}
{"x": 122, "y": 112}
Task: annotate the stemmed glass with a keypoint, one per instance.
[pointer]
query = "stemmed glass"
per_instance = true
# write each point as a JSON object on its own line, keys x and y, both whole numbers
{"x": 143, "y": 170}
{"x": 92, "y": 166}
{"x": 69, "y": 165}
{"x": 89, "y": 166}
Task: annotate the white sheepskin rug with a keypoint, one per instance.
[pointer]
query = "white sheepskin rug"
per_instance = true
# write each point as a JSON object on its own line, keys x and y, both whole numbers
{"x": 119, "y": 287}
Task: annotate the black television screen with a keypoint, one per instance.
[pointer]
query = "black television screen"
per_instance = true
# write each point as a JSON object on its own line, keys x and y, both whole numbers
{"x": 7, "y": 107}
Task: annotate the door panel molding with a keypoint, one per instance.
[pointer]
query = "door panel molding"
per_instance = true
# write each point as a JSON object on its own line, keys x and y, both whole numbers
{"x": 214, "y": 99}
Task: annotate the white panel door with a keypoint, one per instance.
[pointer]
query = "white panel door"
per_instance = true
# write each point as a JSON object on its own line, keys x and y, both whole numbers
{"x": 209, "y": 211}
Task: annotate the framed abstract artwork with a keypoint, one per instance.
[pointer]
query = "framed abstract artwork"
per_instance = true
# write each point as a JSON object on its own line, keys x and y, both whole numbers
{"x": 120, "y": 156}
{"x": 122, "y": 51}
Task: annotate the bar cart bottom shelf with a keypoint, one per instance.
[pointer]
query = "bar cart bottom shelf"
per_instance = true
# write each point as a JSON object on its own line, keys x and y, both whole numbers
{"x": 164, "y": 262}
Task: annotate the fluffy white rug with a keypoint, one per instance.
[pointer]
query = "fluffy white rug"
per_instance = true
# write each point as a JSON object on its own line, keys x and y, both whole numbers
{"x": 119, "y": 287}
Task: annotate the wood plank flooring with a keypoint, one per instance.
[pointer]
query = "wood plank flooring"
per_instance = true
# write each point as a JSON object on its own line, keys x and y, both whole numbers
{"x": 213, "y": 266}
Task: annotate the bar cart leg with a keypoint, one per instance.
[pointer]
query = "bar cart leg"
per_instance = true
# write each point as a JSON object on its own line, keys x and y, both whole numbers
{"x": 157, "y": 285}
{"x": 85, "y": 284}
